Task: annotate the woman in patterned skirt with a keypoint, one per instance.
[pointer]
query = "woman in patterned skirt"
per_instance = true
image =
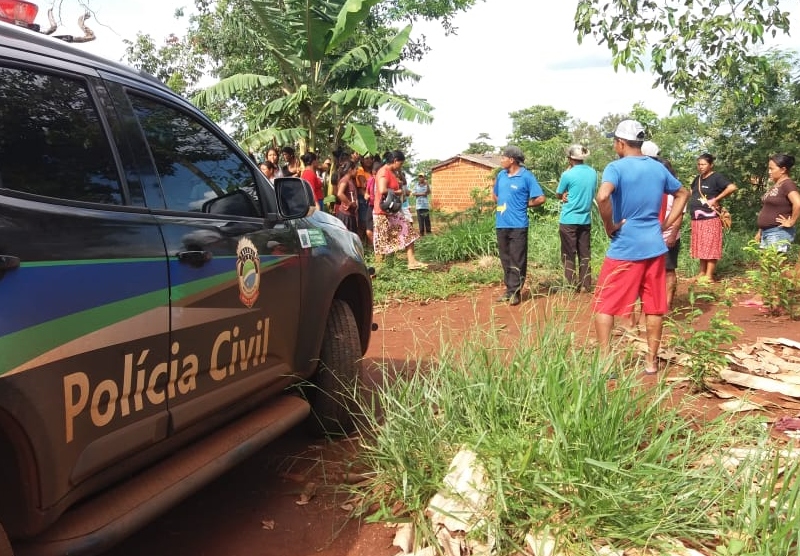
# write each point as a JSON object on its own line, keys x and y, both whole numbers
{"x": 708, "y": 189}
{"x": 392, "y": 232}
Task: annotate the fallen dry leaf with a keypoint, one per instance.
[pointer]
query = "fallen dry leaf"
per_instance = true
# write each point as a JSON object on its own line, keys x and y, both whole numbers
{"x": 307, "y": 494}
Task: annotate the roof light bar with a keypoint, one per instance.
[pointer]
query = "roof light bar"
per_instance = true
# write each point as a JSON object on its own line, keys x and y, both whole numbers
{"x": 18, "y": 12}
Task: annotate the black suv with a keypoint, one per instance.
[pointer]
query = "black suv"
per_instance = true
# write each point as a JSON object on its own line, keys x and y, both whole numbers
{"x": 158, "y": 295}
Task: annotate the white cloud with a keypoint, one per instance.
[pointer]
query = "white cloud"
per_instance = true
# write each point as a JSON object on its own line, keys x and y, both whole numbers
{"x": 509, "y": 55}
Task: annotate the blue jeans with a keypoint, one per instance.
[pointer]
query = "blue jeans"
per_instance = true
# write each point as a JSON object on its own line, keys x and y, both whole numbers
{"x": 778, "y": 236}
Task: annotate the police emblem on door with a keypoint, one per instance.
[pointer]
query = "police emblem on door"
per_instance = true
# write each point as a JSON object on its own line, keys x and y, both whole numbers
{"x": 248, "y": 272}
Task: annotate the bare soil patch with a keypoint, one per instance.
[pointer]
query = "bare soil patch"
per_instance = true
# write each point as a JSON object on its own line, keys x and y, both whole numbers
{"x": 254, "y": 510}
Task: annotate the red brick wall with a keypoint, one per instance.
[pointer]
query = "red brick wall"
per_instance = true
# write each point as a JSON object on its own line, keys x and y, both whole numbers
{"x": 452, "y": 184}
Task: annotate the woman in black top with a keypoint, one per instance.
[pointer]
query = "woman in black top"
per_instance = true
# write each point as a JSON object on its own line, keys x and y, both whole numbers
{"x": 708, "y": 189}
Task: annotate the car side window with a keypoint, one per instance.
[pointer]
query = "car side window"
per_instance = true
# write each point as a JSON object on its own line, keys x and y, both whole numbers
{"x": 52, "y": 141}
{"x": 195, "y": 166}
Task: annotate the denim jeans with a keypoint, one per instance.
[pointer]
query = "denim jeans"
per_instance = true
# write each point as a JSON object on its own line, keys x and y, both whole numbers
{"x": 778, "y": 236}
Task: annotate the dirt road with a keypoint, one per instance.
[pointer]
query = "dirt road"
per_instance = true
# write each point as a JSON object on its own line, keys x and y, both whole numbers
{"x": 253, "y": 510}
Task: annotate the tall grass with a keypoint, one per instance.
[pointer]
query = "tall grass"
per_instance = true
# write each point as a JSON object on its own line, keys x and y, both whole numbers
{"x": 462, "y": 240}
{"x": 566, "y": 451}
{"x": 471, "y": 236}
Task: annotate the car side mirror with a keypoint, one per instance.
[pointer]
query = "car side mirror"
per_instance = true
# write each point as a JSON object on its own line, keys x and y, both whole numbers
{"x": 295, "y": 197}
{"x": 236, "y": 203}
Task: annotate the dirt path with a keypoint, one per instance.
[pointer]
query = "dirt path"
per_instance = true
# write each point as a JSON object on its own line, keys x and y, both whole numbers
{"x": 253, "y": 510}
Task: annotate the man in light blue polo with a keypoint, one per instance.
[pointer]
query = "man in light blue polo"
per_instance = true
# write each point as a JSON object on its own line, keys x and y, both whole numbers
{"x": 515, "y": 190}
{"x": 576, "y": 189}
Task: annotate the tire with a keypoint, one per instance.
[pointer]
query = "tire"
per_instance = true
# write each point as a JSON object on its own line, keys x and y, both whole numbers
{"x": 5, "y": 544}
{"x": 336, "y": 383}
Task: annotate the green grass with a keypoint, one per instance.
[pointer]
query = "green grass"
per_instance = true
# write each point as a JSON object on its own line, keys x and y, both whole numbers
{"x": 567, "y": 453}
{"x": 469, "y": 237}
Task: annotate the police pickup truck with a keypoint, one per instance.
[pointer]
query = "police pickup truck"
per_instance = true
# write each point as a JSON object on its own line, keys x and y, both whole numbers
{"x": 158, "y": 297}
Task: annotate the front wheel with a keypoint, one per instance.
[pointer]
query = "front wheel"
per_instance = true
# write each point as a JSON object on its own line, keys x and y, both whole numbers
{"x": 337, "y": 379}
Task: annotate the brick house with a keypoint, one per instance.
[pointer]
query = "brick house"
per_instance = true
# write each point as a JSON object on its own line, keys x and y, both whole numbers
{"x": 453, "y": 180}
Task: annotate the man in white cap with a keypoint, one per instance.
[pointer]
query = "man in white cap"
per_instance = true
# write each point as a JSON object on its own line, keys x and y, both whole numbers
{"x": 515, "y": 190}
{"x": 630, "y": 200}
{"x": 576, "y": 189}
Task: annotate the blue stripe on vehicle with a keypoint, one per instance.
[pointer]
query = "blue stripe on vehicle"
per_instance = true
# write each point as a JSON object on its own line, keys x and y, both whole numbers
{"x": 36, "y": 293}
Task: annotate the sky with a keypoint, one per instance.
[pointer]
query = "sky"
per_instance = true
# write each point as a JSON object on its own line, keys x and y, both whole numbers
{"x": 507, "y": 55}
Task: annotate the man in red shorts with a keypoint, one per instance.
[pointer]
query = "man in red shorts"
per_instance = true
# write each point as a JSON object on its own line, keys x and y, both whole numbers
{"x": 629, "y": 199}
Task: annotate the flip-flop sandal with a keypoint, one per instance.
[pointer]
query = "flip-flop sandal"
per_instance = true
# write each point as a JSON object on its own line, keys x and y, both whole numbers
{"x": 751, "y": 303}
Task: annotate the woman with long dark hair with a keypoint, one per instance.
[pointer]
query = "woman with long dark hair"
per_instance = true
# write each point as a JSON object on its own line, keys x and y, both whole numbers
{"x": 392, "y": 232}
{"x": 347, "y": 196}
{"x": 310, "y": 175}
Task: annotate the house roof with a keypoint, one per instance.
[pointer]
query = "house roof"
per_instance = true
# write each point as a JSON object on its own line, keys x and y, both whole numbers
{"x": 491, "y": 161}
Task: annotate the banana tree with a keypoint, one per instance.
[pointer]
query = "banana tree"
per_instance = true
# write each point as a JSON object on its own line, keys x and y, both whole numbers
{"x": 329, "y": 71}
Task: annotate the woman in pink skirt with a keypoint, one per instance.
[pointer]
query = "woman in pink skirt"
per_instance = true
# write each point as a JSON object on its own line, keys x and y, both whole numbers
{"x": 708, "y": 189}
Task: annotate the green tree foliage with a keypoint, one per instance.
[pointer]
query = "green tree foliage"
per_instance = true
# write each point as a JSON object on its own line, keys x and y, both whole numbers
{"x": 542, "y": 132}
{"x": 425, "y": 166}
{"x": 481, "y": 145}
{"x": 593, "y": 137}
{"x": 537, "y": 123}
{"x": 174, "y": 63}
{"x": 389, "y": 138}
{"x": 682, "y": 138}
{"x": 686, "y": 41}
{"x": 325, "y": 76}
{"x": 429, "y": 10}
{"x": 743, "y": 135}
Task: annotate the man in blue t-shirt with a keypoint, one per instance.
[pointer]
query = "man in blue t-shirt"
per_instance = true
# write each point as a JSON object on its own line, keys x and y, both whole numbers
{"x": 629, "y": 201}
{"x": 576, "y": 190}
{"x": 515, "y": 190}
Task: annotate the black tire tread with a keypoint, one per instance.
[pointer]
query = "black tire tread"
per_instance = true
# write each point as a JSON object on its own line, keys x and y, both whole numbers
{"x": 5, "y": 544}
{"x": 338, "y": 373}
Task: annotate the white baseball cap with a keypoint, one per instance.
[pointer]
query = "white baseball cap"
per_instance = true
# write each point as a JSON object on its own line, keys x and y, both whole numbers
{"x": 650, "y": 149}
{"x": 630, "y": 130}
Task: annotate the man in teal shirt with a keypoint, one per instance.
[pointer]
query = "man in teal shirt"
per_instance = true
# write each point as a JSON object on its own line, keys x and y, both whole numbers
{"x": 576, "y": 191}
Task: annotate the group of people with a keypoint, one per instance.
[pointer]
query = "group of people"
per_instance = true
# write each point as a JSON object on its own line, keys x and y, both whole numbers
{"x": 357, "y": 182}
{"x": 641, "y": 204}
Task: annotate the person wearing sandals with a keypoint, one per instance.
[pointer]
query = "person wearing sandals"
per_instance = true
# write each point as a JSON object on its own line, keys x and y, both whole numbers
{"x": 708, "y": 189}
{"x": 392, "y": 232}
{"x": 629, "y": 201}
{"x": 515, "y": 190}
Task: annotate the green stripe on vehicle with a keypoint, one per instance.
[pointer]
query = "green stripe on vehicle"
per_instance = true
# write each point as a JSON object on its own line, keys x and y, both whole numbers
{"x": 26, "y": 344}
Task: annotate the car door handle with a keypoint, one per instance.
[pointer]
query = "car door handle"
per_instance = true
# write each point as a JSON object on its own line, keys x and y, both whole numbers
{"x": 8, "y": 262}
{"x": 240, "y": 228}
{"x": 194, "y": 258}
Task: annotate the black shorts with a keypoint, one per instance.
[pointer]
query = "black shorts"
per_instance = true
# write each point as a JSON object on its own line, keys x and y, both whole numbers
{"x": 671, "y": 257}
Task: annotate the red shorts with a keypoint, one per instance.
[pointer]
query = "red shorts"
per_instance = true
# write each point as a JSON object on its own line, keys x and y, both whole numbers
{"x": 621, "y": 283}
